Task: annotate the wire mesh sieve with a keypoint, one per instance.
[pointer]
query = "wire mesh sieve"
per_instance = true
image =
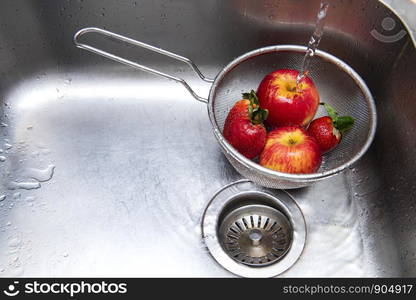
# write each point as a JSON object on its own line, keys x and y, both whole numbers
{"x": 338, "y": 85}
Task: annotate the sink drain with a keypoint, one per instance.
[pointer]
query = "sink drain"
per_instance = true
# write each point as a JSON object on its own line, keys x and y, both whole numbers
{"x": 255, "y": 235}
{"x": 253, "y": 231}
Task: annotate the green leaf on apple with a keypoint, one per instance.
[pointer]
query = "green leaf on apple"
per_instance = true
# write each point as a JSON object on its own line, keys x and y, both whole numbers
{"x": 342, "y": 123}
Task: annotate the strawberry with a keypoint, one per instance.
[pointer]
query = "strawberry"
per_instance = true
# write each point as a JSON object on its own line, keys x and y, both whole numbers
{"x": 328, "y": 130}
{"x": 244, "y": 128}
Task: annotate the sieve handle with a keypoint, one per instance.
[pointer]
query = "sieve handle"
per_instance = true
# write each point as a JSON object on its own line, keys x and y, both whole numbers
{"x": 139, "y": 66}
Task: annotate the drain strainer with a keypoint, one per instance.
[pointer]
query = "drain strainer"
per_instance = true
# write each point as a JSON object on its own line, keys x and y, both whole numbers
{"x": 255, "y": 235}
{"x": 254, "y": 231}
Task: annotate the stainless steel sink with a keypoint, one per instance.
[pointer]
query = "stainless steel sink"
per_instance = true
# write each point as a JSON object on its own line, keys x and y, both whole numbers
{"x": 136, "y": 162}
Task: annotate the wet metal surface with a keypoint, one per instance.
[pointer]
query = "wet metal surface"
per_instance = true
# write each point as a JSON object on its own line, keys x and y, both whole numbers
{"x": 135, "y": 161}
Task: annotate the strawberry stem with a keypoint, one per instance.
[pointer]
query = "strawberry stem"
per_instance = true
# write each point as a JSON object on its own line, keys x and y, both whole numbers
{"x": 259, "y": 116}
{"x": 342, "y": 123}
{"x": 252, "y": 96}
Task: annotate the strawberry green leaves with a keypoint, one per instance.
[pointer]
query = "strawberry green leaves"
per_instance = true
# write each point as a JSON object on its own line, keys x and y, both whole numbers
{"x": 342, "y": 123}
{"x": 256, "y": 114}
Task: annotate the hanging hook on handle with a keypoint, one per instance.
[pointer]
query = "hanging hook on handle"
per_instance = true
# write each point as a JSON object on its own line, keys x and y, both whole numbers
{"x": 139, "y": 66}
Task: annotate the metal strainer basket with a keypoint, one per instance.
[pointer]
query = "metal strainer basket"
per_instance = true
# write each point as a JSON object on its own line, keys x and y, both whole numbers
{"x": 338, "y": 85}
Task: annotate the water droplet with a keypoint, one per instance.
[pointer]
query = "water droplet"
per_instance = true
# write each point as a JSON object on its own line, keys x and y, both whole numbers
{"x": 14, "y": 258}
{"x": 3, "y": 125}
{"x": 45, "y": 151}
{"x": 7, "y": 146}
{"x": 2, "y": 197}
{"x": 29, "y": 185}
{"x": 30, "y": 199}
{"x": 59, "y": 93}
{"x": 18, "y": 271}
{"x": 14, "y": 242}
{"x": 2, "y": 158}
{"x": 65, "y": 254}
{"x": 41, "y": 175}
{"x": 16, "y": 195}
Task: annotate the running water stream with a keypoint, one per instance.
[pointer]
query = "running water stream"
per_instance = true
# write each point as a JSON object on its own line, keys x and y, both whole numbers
{"x": 314, "y": 41}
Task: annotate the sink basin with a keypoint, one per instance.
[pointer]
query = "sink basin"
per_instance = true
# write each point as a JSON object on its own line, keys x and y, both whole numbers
{"x": 107, "y": 171}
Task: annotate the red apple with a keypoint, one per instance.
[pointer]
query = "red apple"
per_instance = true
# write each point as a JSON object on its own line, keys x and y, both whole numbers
{"x": 291, "y": 149}
{"x": 287, "y": 103}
